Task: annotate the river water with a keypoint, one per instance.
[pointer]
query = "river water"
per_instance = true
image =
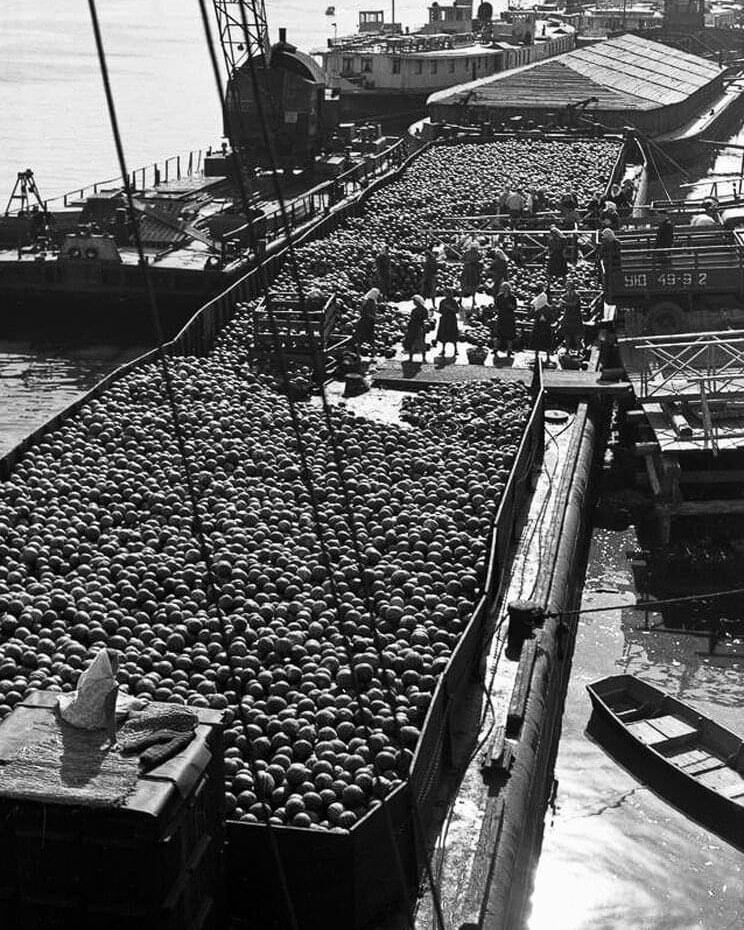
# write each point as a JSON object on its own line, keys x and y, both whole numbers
{"x": 615, "y": 855}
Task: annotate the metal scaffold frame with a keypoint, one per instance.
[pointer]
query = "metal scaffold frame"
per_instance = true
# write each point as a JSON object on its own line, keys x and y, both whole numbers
{"x": 238, "y": 43}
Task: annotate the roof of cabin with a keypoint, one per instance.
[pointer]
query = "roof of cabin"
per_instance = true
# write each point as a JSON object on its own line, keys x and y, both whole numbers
{"x": 623, "y": 73}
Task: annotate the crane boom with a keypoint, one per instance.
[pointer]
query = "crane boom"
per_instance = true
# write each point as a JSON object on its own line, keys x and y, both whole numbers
{"x": 238, "y": 42}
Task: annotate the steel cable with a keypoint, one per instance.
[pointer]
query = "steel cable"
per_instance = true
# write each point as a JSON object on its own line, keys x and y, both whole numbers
{"x": 324, "y": 401}
{"x": 306, "y": 470}
{"x": 198, "y": 528}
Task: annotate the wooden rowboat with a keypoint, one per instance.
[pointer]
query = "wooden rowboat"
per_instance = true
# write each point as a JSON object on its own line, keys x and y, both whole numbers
{"x": 687, "y": 758}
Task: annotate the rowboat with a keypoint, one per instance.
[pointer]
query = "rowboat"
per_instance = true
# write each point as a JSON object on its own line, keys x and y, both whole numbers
{"x": 687, "y": 758}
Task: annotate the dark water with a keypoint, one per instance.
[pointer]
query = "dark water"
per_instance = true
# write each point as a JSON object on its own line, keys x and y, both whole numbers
{"x": 38, "y": 378}
{"x": 615, "y": 855}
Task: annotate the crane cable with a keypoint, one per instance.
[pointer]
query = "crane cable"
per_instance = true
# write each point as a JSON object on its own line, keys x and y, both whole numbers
{"x": 647, "y": 605}
{"x": 324, "y": 401}
{"x": 306, "y": 471}
{"x": 197, "y": 525}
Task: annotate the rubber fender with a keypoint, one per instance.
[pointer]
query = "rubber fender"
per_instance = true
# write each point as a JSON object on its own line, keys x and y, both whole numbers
{"x": 665, "y": 317}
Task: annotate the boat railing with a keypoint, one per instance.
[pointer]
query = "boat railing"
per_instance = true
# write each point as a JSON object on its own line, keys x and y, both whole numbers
{"x": 148, "y": 176}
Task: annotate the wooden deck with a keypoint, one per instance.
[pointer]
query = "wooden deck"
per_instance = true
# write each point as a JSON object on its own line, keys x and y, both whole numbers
{"x": 415, "y": 376}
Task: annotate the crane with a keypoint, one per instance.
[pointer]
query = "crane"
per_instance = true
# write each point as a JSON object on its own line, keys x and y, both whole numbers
{"x": 289, "y": 84}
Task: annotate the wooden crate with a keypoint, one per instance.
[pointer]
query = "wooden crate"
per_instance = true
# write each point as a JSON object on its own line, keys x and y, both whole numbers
{"x": 153, "y": 861}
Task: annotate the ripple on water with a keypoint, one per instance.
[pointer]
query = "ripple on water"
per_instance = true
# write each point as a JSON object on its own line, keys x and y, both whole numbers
{"x": 38, "y": 380}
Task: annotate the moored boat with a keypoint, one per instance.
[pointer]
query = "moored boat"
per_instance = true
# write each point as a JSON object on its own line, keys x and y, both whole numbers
{"x": 688, "y": 758}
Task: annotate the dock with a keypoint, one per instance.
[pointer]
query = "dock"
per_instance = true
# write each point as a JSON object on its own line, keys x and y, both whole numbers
{"x": 415, "y": 376}
{"x": 689, "y": 430}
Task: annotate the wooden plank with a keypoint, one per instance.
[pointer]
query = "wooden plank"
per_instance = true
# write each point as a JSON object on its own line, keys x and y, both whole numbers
{"x": 492, "y": 757}
{"x": 672, "y": 726}
{"x": 648, "y": 735}
{"x": 719, "y": 778}
{"x": 689, "y": 757}
{"x": 734, "y": 791}
{"x": 706, "y": 765}
{"x": 521, "y": 689}
{"x": 480, "y": 872}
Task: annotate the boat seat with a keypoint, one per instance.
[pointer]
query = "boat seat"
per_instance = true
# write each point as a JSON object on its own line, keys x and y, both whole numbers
{"x": 721, "y": 779}
{"x": 703, "y": 766}
{"x": 663, "y": 733}
{"x": 633, "y": 712}
{"x": 734, "y": 792}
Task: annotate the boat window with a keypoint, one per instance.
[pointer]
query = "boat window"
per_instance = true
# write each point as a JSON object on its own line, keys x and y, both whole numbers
{"x": 433, "y": 67}
{"x": 419, "y": 67}
{"x": 366, "y": 65}
{"x": 396, "y": 65}
{"x": 451, "y": 66}
{"x": 347, "y": 64}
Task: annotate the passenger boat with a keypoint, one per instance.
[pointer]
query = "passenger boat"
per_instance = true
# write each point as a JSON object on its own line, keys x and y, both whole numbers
{"x": 689, "y": 759}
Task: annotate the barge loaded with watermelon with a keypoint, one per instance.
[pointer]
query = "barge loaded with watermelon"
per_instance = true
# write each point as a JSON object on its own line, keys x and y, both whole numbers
{"x": 97, "y": 547}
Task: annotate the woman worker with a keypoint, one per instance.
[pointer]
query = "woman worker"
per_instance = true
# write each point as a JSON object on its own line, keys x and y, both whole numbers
{"x": 471, "y": 270}
{"x": 557, "y": 264}
{"x": 572, "y": 325}
{"x": 365, "y": 328}
{"x": 414, "y": 339}
{"x": 429, "y": 276}
{"x": 447, "y": 330}
{"x": 505, "y": 329}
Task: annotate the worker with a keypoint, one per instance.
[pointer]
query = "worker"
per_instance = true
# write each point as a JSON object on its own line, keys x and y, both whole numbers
{"x": 542, "y": 334}
{"x": 414, "y": 339}
{"x": 664, "y": 232}
{"x": 610, "y": 216}
{"x": 365, "y": 328}
{"x": 593, "y": 211}
{"x": 429, "y": 274}
{"x": 664, "y": 238}
{"x": 384, "y": 271}
{"x": 505, "y": 329}
{"x": 515, "y": 203}
{"x": 709, "y": 216}
{"x": 608, "y": 251}
{"x": 447, "y": 331}
{"x": 557, "y": 264}
{"x": 571, "y": 326}
{"x": 498, "y": 268}
{"x": 471, "y": 270}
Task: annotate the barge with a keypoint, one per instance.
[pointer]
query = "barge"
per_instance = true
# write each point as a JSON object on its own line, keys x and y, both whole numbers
{"x": 77, "y": 252}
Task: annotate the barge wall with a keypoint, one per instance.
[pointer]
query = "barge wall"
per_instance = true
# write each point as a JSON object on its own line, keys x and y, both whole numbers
{"x": 531, "y": 779}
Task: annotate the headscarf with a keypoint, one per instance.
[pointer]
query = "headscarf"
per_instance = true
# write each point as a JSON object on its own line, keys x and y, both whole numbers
{"x": 611, "y": 206}
{"x": 373, "y": 294}
{"x": 419, "y": 301}
{"x": 554, "y": 231}
{"x": 505, "y": 288}
{"x": 608, "y": 235}
{"x": 498, "y": 252}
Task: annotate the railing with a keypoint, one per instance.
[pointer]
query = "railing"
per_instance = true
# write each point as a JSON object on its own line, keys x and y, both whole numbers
{"x": 667, "y": 366}
{"x": 175, "y": 167}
